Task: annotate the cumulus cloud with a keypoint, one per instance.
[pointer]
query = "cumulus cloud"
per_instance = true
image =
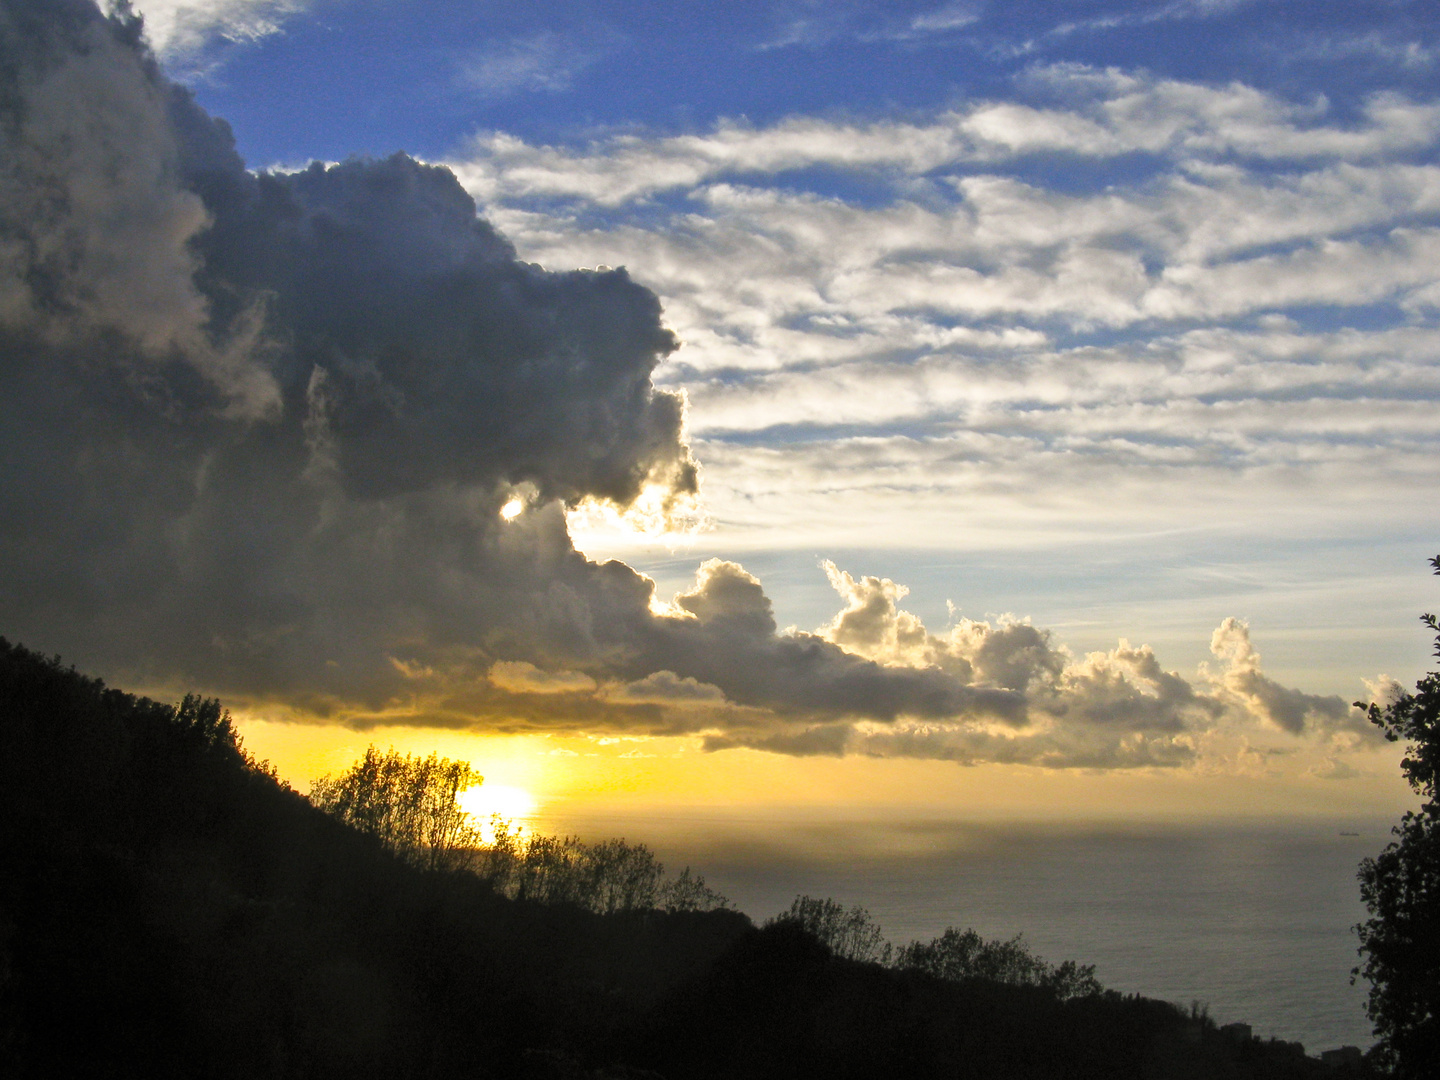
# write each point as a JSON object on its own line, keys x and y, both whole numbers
{"x": 262, "y": 426}
{"x": 1113, "y": 709}
{"x": 1384, "y": 691}
{"x": 1287, "y": 709}
{"x": 99, "y": 232}
{"x": 178, "y": 29}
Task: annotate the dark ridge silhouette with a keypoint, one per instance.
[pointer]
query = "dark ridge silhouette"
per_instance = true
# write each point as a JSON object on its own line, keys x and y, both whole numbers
{"x": 169, "y": 908}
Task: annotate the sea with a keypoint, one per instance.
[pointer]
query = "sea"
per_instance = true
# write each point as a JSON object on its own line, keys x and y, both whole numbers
{"x": 1252, "y": 920}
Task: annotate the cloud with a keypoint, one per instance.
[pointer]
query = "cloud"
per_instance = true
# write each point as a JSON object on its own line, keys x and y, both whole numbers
{"x": 265, "y": 424}
{"x": 947, "y": 17}
{"x": 100, "y": 237}
{"x": 1383, "y": 47}
{"x": 1384, "y": 691}
{"x": 980, "y": 347}
{"x": 337, "y": 546}
{"x": 519, "y": 677}
{"x": 812, "y": 25}
{"x": 1169, "y": 11}
{"x": 179, "y": 29}
{"x": 665, "y": 687}
{"x": 1115, "y": 709}
{"x": 1287, "y": 709}
{"x": 309, "y": 440}
{"x": 1334, "y": 769}
{"x": 1109, "y": 710}
{"x": 730, "y": 640}
{"x": 1100, "y": 114}
{"x": 546, "y": 62}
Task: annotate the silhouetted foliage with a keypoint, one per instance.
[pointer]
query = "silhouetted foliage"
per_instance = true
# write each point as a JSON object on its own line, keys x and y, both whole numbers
{"x": 606, "y": 877}
{"x": 848, "y": 932}
{"x": 410, "y": 804}
{"x": 956, "y": 955}
{"x": 1401, "y": 889}
{"x": 959, "y": 955}
{"x": 688, "y": 892}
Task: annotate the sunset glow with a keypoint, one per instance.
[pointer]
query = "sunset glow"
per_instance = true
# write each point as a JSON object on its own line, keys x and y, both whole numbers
{"x": 516, "y": 805}
{"x": 832, "y": 430}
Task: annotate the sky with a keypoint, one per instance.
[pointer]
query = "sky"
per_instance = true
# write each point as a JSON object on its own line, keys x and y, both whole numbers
{"x": 976, "y": 408}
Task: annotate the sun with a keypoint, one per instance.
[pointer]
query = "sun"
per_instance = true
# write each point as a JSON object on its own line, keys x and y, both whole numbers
{"x": 482, "y": 802}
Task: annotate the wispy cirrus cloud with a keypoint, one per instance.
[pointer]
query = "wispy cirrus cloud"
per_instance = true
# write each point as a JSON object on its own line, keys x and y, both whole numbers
{"x": 952, "y": 16}
{"x": 810, "y": 25}
{"x": 1148, "y": 14}
{"x": 1405, "y": 52}
{"x": 544, "y": 62}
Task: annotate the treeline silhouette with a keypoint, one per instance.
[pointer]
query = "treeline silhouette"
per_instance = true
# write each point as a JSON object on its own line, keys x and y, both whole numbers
{"x": 955, "y": 956}
{"x": 607, "y": 877}
{"x": 170, "y": 908}
{"x": 410, "y": 805}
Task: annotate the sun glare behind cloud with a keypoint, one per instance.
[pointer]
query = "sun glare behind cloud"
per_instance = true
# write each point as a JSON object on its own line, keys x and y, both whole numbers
{"x": 597, "y": 526}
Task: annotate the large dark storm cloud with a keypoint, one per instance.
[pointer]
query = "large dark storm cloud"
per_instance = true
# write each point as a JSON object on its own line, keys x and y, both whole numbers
{"x": 257, "y": 430}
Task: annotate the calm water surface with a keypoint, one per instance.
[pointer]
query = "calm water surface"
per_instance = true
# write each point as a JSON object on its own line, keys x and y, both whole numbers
{"x": 1253, "y": 920}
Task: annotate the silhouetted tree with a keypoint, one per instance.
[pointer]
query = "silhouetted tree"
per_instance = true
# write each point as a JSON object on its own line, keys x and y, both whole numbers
{"x": 1401, "y": 888}
{"x": 410, "y": 804}
{"x": 605, "y": 877}
{"x": 958, "y": 955}
{"x": 688, "y": 892}
{"x": 849, "y": 932}
{"x": 621, "y": 876}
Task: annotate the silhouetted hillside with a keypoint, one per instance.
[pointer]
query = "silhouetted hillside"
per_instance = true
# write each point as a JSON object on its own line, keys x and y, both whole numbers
{"x": 168, "y": 908}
